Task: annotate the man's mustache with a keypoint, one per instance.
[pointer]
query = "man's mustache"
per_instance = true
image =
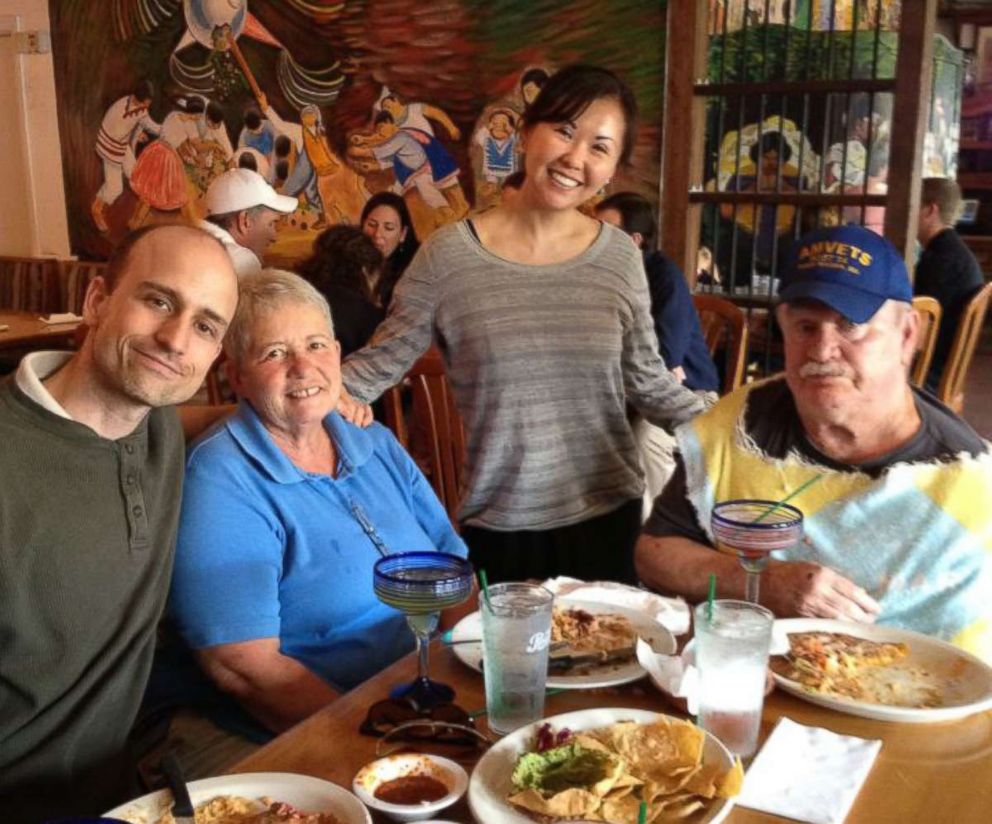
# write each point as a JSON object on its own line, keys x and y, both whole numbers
{"x": 822, "y": 370}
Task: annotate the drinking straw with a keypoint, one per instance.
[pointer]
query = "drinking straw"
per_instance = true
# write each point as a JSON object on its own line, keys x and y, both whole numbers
{"x": 786, "y": 499}
{"x": 642, "y": 813}
{"x": 710, "y": 597}
{"x": 484, "y": 583}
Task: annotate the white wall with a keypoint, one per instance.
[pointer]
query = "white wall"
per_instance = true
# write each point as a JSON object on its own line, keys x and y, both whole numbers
{"x": 33, "y": 219}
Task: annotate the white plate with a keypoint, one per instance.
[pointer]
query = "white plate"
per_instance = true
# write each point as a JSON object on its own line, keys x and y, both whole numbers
{"x": 312, "y": 795}
{"x": 490, "y": 783}
{"x": 967, "y": 681}
{"x": 608, "y": 675}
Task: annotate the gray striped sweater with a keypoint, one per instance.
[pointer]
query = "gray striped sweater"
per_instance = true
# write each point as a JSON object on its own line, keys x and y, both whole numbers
{"x": 542, "y": 361}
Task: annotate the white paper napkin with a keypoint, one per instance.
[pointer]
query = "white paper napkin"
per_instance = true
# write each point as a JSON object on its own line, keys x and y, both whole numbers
{"x": 677, "y": 674}
{"x": 61, "y": 317}
{"x": 671, "y": 613}
{"x": 808, "y": 774}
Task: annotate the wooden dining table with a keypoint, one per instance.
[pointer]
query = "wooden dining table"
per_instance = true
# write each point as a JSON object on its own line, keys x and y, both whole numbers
{"x": 26, "y": 330}
{"x": 928, "y": 773}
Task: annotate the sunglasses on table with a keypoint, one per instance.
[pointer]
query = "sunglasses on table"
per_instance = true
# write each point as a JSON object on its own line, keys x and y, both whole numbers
{"x": 445, "y": 729}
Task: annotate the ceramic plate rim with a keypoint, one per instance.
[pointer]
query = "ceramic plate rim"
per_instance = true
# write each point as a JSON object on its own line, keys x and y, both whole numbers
{"x": 479, "y": 793}
{"x": 268, "y": 784}
{"x": 882, "y": 712}
{"x": 630, "y": 672}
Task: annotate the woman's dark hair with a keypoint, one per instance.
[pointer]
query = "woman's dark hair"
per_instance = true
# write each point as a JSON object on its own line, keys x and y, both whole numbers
{"x": 342, "y": 256}
{"x": 569, "y": 92}
{"x": 636, "y": 215}
{"x": 771, "y": 142}
{"x": 396, "y": 263}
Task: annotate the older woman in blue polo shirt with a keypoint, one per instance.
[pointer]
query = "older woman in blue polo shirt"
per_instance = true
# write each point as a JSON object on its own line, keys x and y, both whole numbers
{"x": 286, "y": 508}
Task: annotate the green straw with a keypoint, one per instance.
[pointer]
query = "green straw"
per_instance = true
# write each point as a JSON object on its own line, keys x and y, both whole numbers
{"x": 786, "y": 499}
{"x": 642, "y": 813}
{"x": 710, "y": 597}
{"x": 484, "y": 583}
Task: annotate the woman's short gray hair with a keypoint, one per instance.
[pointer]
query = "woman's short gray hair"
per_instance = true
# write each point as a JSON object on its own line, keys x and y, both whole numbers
{"x": 261, "y": 294}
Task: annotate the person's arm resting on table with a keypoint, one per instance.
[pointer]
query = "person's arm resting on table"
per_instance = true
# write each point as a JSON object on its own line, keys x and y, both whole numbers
{"x": 225, "y": 602}
{"x": 673, "y": 555}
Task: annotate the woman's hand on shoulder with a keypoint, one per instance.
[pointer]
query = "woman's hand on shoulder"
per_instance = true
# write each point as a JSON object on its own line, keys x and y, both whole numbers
{"x": 353, "y": 410}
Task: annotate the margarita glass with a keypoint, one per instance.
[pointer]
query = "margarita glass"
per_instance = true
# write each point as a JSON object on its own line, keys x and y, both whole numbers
{"x": 752, "y": 529}
{"x": 420, "y": 585}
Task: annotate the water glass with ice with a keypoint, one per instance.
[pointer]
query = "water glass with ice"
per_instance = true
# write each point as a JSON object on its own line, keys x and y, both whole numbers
{"x": 732, "y": 648}
{"x": 516, "y": 631}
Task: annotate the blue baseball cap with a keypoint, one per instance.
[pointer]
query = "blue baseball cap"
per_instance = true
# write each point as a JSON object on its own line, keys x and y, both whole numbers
{"x": 849, "y": 268}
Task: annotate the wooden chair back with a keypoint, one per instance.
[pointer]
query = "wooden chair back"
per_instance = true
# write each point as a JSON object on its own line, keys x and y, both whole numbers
{"x": 951, "y": 390}
{"x": 435, "y": 414}
{"x": 76, "y": 277}
{"x": 929, "y": 310}
{"x": 30, "y": 284}
{"x": 724, "y": 325}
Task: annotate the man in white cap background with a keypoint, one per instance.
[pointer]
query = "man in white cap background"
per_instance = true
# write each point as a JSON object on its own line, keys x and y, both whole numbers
{"x": 242, "y": 213}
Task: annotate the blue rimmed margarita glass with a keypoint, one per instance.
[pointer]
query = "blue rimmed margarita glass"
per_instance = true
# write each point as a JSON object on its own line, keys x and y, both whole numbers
{"x": 420, "y": 585}
{"x": 752, "y": 529}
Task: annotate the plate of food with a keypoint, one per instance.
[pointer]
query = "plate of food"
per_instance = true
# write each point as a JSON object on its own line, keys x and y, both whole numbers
{"x": 601, "y": 640}
{"x": 880, "y": 672}
{"x": 598, "y": 765}
{"x": 253, "y": 798}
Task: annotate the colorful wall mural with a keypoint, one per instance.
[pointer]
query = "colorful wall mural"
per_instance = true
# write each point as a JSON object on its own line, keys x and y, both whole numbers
{"x": 331, "y": 100}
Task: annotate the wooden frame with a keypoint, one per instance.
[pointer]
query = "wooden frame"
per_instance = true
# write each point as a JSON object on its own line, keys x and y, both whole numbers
{"x": 682, "y": 159}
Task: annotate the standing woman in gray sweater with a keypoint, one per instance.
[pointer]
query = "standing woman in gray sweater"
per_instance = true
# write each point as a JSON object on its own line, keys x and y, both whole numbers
{"x": 542, "y": 314}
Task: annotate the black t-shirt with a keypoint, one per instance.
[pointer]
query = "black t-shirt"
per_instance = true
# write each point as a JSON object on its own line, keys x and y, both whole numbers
{"x": 772, "y": 422}
{"x": 948, "y": 272}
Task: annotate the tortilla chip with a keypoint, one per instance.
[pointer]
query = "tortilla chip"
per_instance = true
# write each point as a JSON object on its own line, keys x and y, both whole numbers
{"x": 732, "y": 782}
{"x": 657, "y": 751}
{"x": 679, "y": 807}
{"x": 622, "y": 810}
{"x": 571, "y": 803}
{"x": 587, "y": 742}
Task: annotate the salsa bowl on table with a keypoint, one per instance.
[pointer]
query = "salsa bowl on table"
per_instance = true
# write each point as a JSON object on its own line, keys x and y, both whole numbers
{"x": 410, "y": 786}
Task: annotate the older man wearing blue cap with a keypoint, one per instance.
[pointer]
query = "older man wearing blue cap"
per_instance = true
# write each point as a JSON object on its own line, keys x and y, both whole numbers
{"x": 897, "y": 526}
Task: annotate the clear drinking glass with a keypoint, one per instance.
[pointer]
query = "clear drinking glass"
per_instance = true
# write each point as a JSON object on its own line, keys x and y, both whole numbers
{"x": 752, "y": 529}
{"x": 420, "y": 585}
{"x": 516, "y": 631}
{"x": 732, "y": 657}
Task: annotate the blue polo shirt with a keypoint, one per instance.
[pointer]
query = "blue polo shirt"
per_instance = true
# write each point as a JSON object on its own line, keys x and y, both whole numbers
{"x": 266, "y": 550}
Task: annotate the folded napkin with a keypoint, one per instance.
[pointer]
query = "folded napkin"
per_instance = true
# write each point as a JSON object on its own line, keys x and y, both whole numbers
{"x": 671, "y": 613}
{"x": 61, "y": 317}
{"x": 677, "y": 674}
{"x": 808, "y": 774}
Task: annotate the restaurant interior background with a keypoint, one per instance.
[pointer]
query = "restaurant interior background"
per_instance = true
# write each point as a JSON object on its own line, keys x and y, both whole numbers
{"x": 459, "y": 66}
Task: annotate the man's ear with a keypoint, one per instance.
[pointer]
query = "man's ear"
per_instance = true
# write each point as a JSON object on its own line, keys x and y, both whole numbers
{"x": 233, "y": 376}
{"x": 910, "y": 335}
{"x": 242, "y": 222}
{"x": 97, "y": 295}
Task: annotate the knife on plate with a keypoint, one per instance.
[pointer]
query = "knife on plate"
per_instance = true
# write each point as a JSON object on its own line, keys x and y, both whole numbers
{"x": 182, "y": 807}
{"x": 556, "y": 663}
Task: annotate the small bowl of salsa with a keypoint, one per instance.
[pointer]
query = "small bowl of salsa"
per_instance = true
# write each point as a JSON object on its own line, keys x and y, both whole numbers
{"x": 410, "y": 786}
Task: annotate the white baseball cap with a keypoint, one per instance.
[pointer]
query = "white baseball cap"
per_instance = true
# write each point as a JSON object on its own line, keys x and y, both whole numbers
{"x": 239, "y": 189}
